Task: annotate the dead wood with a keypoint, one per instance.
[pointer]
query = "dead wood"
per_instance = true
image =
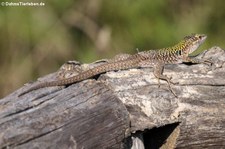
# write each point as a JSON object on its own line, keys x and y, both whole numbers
{"x": 122, "y": 109}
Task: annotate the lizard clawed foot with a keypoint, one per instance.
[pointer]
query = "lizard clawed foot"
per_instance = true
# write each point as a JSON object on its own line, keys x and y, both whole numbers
{"x": 168, "y": 80}
{"x": 171, "y": 82}
{"x": 207, "y": 62}
{"x": 170, "y": 88}
{"x": 158, "y": 82}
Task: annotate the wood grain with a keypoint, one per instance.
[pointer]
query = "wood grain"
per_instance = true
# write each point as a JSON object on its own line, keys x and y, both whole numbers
{"x": 120, "y": 108}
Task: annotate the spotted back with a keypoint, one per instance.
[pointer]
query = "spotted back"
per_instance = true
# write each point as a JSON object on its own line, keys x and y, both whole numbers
{"x": 176, "y": 53}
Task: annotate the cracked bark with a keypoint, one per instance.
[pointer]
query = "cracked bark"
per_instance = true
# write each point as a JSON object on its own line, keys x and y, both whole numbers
{"x": 123, "y": 109}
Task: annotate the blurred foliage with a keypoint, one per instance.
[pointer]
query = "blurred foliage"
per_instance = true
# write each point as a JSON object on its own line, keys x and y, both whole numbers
{"x": 37, "y": 40}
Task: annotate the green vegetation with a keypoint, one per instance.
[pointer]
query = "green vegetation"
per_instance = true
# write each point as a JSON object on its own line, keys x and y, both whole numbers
{"x": 37, "y": 40}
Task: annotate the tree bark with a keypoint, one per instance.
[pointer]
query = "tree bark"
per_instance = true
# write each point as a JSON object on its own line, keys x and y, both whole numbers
{"x": 123, "y": 109}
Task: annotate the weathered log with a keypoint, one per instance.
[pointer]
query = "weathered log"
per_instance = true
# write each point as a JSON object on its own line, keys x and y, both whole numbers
{"x": 123, "y": 109}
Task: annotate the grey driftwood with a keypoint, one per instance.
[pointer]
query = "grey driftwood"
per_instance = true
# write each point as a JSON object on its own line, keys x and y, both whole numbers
{"x": 123, "y": 109}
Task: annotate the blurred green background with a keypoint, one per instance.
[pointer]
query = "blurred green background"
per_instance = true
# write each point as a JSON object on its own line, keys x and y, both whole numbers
{"x": 35, "y": 41}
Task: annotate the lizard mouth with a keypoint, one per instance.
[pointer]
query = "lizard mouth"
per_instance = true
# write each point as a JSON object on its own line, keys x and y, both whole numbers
{"x": 203, "y": 38}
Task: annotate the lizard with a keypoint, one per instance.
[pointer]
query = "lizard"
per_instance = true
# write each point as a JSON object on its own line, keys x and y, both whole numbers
{"x": 156, "y": 59}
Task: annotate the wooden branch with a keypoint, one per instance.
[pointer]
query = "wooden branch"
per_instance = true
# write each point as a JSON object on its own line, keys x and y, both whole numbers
{"x": 122, "y": 109}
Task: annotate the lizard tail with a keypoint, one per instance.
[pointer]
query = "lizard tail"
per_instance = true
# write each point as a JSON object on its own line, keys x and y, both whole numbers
{"x": 125, "y": 64}
{"x": 38, "y": 86}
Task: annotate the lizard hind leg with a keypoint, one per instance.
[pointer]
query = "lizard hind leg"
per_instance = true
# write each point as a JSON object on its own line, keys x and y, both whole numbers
{"x": 69, "y": 69}
{"x": 158, "y": 73}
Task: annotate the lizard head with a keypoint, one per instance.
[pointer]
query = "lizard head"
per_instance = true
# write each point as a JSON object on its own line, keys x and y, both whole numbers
{"x": 193, "y": 41}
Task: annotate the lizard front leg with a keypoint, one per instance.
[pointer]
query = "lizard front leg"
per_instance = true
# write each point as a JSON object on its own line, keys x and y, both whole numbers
{"x": 69, "y": 69}
{"x": 196, "y": 61}
{"x": 158, "y": 73}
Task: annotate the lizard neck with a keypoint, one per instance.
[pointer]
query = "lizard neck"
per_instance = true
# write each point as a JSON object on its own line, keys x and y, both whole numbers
{"x": 174, "y": 53}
